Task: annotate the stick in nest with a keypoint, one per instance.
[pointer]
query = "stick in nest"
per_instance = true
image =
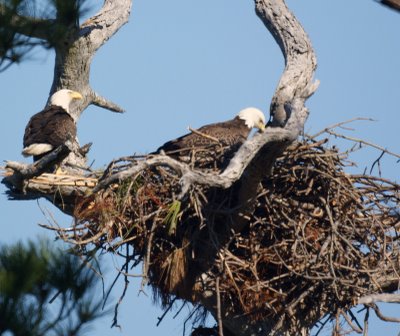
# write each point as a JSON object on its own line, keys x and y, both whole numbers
{"x": 203, "y": 134}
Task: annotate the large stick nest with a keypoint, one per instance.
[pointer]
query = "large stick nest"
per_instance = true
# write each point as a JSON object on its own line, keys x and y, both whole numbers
{"x": 317, "y": 234}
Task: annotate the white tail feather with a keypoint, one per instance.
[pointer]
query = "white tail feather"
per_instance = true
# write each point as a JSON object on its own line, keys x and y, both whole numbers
{"x": 36, "y": 149}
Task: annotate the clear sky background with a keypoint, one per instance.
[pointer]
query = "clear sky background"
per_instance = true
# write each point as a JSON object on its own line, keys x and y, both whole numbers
{"x": 183, "y": 63}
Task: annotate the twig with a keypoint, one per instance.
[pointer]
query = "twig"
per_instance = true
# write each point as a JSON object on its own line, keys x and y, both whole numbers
{"x": 179, "y": 310}
{"x": 188, "y": 318}
{"x": 328, "y": 318}
{"x": 366, "y": 318}
{"x": 381, "y": 316}
{"x": 147, "y": 256}
{"x": 339, "y": 124}
{"x": 165, "y": 312}
{"x": 367, "y": 143}
{"x": 377, "y": 161}
{"x": 219, "y": 315}
{"x": 203, "y": 135}
{"x": 356, "y": 328}
{"x": 126, "y": 283}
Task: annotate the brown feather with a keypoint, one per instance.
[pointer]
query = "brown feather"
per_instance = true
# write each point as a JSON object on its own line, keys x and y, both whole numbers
{"x": 52, "y": 126}
{"x": 229, "y": 133}
{"x": 196, "y": 147}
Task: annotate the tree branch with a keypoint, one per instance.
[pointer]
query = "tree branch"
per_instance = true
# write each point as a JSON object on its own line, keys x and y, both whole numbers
{"x": 300, "y": 62}
{"x": 105, "y": 103}
{"x": 26, "y": 171}
{"x": 381, "y": 316}
{"x": 389, "y": 298}
{"x": 189, "y": 177}
{"x": 287, "y": 106}
{"x": 101, "y": 26}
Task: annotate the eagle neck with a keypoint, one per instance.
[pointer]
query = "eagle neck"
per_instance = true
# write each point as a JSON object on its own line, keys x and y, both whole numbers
{"x": 66, "y": 110}
{"x": 241, "y": 123}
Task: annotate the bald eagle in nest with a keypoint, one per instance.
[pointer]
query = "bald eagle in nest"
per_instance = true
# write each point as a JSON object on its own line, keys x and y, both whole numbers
{"x": 51, "y": 127}
{"x": 213, "y": 145}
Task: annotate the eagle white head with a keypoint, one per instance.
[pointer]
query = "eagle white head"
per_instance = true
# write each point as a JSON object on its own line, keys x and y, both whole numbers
{"x": 63, "y": 98}
{"x": 253, "y": 117}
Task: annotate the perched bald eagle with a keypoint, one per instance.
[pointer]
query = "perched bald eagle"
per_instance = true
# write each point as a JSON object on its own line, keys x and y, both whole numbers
{"x": 215, "y": 143}
{"x": 51, "y": 127}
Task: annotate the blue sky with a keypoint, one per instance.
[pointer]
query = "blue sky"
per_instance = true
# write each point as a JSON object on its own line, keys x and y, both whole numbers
{"x": 188, "y": 63}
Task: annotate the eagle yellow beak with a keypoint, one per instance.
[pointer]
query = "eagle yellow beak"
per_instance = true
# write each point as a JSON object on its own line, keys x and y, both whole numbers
{"x": 261, "y": 126}
{"x": 76, "y": 95}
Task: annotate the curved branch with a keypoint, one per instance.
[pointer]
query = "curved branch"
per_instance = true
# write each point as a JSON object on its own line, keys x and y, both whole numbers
{"x": 189, "y": 177}
{"x": 287, "y": 106}
{"x": 381, "y": 316}
{"x": 300, "y": 61}
{"x": 101, "y": 26}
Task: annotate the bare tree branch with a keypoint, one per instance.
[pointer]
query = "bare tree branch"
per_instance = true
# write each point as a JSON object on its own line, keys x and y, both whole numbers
{"x": 105, "y": 103}
{"x": 373, "y": 298}
{"x": 381, "y": 316}
{"x": 189, "y": 177}
{"x": 356, "y": 328}
{"x": 101, "y": 26}
{"x": 26, "y": 171}
{"x": 296, "y": 81}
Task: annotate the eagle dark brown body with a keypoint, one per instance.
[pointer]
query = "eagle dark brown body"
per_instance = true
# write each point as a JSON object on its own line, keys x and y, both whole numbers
{"x": 52, "y": 126}
{"x": 212, "y": 146}
{"x": 229, "y": 133}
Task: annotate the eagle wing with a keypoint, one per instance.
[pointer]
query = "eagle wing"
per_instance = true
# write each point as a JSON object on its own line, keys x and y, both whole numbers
{"x": 52, "y": 126}
{"x": 228, "y": 133}
{"x": 209, "y": 147}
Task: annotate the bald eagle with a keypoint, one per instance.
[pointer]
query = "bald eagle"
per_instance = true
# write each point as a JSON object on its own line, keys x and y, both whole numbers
{"x": 51, "y": 127}
{"x": 215, "y": 143}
